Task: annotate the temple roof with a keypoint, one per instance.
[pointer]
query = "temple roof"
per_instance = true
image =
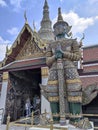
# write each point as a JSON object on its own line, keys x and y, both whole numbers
{"x": 25, "y": 34}
{"x": 29, "y": 44}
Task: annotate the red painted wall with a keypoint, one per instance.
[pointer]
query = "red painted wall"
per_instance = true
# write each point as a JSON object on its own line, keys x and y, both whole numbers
{"x": 90, "y": 53}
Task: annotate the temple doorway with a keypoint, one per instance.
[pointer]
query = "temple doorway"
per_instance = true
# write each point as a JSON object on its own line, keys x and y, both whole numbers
{"x": 24, "y": 85}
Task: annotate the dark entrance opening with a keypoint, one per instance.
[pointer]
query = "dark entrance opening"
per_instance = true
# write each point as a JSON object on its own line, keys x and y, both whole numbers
{"x": 24, "y": 85}
{"x": 92, "y": 108}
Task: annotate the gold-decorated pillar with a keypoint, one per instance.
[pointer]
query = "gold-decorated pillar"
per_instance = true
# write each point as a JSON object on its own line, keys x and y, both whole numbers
{"x": 44, "y": 74}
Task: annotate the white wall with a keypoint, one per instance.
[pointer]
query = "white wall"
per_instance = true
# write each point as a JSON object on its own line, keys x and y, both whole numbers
{"x": 44, "y": 102}
{"x": 3, "y": 94}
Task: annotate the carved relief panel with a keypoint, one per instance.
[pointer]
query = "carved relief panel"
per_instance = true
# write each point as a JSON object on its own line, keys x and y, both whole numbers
{"x": 30, "y": 50}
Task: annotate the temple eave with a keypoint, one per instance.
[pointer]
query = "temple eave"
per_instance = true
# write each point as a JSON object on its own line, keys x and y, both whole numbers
{"x": 25, "y": 64}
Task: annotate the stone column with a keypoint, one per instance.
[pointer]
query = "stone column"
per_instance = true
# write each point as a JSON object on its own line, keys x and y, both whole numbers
{"x": 44, "y": 102}
{"x": 61, "y": 91}
{"x": 4, "y": 89}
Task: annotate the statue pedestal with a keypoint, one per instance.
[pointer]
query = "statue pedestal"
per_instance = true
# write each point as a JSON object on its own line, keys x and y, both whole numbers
{"x": 57, "y": 126}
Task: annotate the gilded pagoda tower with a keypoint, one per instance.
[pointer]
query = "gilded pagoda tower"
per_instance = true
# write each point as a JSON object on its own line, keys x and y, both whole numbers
{"x": 45, "y": 31}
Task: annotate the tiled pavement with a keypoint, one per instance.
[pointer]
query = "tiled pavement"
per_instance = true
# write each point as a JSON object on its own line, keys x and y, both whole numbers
{"x": 3, "y": 127}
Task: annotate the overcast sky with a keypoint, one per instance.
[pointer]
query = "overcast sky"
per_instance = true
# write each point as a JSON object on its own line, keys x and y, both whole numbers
{"x": 81, "y": 14}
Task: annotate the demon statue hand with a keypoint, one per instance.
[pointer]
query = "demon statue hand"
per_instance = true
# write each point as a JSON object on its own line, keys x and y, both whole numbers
{"x": 58, "y": 52}
{"x": 67, "y": 50}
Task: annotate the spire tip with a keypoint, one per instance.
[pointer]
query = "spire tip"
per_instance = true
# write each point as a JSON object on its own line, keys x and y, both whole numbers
{"x": 25, "y": 17}
{"x": 60, "y": 18}
{"x": 34, "y": 26}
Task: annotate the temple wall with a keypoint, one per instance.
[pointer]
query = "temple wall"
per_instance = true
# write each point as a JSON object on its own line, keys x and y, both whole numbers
{"x": 90, "y": 53}
{"x": 90, "y": 68}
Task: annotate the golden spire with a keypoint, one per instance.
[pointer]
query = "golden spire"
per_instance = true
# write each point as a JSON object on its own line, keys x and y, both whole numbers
{"x": 60, "y": 18}
{"x": 46, "y": 4}
{"x": 34, "y": 26}
{"x": 7, "y": 50}
{"x": 81, "y": 43}
{"x": 46, "y": 31}
{"x": 25, "y": 16}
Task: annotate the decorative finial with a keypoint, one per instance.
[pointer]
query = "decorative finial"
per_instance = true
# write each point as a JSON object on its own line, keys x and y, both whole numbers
{"x": 46, "y": 4}
{"x": 81, "y": 43}
{"x": 25, "y": 17}
{"x": 34, "y": 26}
{"x": 7, "y": 50}
{"x": 60, "y": 18}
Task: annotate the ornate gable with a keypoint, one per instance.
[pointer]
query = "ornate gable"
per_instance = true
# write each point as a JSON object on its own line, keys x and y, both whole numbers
{"x": 27, "y": 45}
{"x": 30, "y": 50}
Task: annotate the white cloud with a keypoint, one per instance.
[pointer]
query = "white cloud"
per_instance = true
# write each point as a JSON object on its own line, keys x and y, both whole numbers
{"x": 16, "y": 4}
{"x": 13, "y": 31}
{"x": 90, "y": 7}
{"x": 92, "y": 1}
{"x": 2, "y": 51}
{"x": 3, "y": 44}
{"x": 61, "y": 0}
{"x": 3, "y": 3}
{"x": 2, "y": 41}
{"x": 79, "y": 24}
{"x": 96, "y": 17}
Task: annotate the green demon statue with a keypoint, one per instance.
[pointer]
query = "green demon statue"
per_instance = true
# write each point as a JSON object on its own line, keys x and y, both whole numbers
{"x": 63, "y": 81}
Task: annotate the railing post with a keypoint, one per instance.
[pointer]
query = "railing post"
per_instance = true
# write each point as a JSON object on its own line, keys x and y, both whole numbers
{"x": 51, "y": 124}
{"x": 32, "y": 118}
{"x": 8, "y": 122}
{"x": 45, "y": 113}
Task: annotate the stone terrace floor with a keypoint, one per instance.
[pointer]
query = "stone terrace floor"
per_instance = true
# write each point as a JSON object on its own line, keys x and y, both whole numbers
{"x": 3, "y": 127}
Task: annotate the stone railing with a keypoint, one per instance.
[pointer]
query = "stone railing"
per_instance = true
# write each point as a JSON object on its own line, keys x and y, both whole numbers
{"x": 24, "y": 122}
